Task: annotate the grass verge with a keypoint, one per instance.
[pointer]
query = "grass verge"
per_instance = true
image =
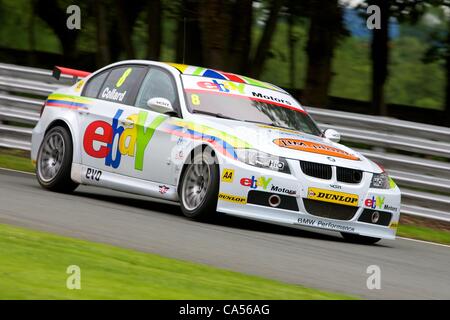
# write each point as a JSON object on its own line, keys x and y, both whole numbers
{"x": 15, "y": 159}
{"x": 33, "y": 266}
{"x": 424, "y": 233}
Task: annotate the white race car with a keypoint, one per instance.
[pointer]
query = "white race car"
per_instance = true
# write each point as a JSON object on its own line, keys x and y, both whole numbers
{"x": 213, "y": 141}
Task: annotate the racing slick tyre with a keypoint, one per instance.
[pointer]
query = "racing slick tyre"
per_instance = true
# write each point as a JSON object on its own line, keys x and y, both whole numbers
{"x": 355, "y": 238}
{"x": 54, "y": 161}
{"x": 199, "y": 186}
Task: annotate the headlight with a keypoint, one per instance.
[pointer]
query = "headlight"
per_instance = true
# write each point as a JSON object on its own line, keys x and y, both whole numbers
{"x": 380, "y": 181}
{"x": 263, "y": 160}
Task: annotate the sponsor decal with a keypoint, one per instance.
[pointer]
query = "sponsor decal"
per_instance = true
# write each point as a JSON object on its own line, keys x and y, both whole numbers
{"x": 268, "y": 97}
{"x": 333, "y": 196}
{"x": 275, "y": 188}
{"x": 227, "y": 175}
{"x": 100, "y": 136}
{"x": 232, "y": 198}
{"x": 253, "y": 183}
{"x": 390, "y": 208}
{"x": 378, "y": 203}
{"x": 93, "y": 174}
{"x": 222, "y": 86}
{"x": 163, "y": 189}
{"x": 313, "y": 147}
{"x": 335, "y": 186}
{"x": 324, "y": 224}
{"x": 374, "y": 202}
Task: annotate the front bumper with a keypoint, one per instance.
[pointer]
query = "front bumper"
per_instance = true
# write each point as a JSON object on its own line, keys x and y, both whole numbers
{"x": 245, "y": 190}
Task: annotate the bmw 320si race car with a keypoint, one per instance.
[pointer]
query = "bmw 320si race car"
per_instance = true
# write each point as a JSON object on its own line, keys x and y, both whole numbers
{"x": 213, "y": 141}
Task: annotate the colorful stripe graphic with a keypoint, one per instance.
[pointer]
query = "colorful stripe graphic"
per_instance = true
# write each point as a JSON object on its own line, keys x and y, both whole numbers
{"x": 67, "y": 101}
{"x": 223, "y": 142}
{"x": 220, "y": 75}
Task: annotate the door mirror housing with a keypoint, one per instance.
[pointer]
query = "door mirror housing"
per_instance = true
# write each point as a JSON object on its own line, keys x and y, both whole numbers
{"x": 161, "y": 105}
{"x": 332, "y": 135}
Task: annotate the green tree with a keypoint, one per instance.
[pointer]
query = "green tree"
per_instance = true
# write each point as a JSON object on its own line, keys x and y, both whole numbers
{"x": 403, "y": 10}
{"x": 326, "y": 27}
{"x": 439, "y": 50}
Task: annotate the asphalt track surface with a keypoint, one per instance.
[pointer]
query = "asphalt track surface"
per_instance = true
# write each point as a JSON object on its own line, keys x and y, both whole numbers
{"x": 409, "y": 269}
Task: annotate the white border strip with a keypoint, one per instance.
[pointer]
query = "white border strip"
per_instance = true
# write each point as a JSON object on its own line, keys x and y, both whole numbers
{"x": 425, "y": 242}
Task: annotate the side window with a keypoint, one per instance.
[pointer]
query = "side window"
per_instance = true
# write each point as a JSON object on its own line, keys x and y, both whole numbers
{"x": 94, "y": 84}
{"x": 157, "y": 84}
{"x": 122, "y": 84}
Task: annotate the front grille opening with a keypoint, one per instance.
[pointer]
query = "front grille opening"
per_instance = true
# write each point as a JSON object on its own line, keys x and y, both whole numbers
{"x": 317, "y": 170}
{"x": 348, "y": 175}
{"x": 329, "y": 210}
{"x": 261, "y": 198}
{"x": 384, "y": 217}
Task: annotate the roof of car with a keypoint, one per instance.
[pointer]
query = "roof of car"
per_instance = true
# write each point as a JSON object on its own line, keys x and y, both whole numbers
{"x": 215, "y": 74}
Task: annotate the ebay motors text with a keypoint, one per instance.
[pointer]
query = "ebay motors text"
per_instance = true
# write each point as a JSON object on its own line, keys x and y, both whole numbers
{"x": 99, "y": 138}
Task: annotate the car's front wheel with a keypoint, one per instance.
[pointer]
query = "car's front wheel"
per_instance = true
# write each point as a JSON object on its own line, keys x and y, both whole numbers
{"x": 199, "y": 186}
{"x": 54, "y": 161}
{"x": 355, "y": 238}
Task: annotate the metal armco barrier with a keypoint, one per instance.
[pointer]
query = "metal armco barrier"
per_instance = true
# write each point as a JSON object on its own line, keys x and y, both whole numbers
{"x": 415, "y": 155}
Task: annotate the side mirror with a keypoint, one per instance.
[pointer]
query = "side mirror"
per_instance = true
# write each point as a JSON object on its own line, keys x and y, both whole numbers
{"x": 161, "y": 105}
{"x": 332, "y": 135}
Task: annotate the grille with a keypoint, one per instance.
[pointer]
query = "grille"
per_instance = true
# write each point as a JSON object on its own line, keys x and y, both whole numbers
{"x": 317, "y": 170}
{"x": 329, "y": 210}
{"x": 348, "y": 175}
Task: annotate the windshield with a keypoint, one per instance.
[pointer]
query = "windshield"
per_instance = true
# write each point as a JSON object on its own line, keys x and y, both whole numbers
{"x": 238, "y": 101}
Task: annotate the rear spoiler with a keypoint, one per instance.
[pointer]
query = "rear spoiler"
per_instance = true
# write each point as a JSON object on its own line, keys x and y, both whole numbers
{"x": 58, "y": 71}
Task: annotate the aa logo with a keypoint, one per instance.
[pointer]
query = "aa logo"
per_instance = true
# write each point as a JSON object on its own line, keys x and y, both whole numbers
{"x": 228, "y": 175}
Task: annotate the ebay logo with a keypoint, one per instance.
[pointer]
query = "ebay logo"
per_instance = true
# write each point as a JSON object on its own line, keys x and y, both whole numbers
{"x": 254, "y": 183}
{"x": 222, "y": 86}
{"x": 374, "y": 202}
{"x": 131, "y": 141}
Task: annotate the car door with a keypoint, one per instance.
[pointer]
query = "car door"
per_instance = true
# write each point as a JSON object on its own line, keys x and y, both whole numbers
{"x": 155, "y": 144}
{"x": 104, "y": 124}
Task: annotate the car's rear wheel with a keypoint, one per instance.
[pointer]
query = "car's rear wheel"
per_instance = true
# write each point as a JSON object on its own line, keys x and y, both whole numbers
{"x": 199, "y": 187}
{"x": 355, "y": 238}
{"x": 54, "y": 161}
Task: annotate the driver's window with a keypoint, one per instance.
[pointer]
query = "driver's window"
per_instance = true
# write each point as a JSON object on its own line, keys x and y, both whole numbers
{"x": 157, "y": 84}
